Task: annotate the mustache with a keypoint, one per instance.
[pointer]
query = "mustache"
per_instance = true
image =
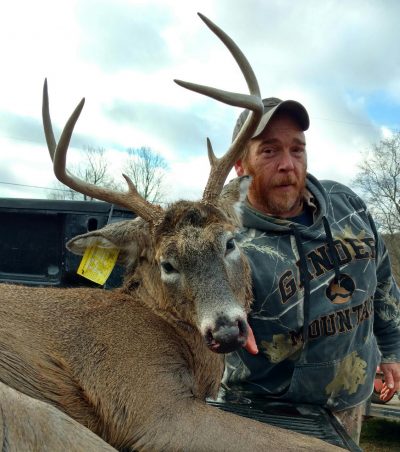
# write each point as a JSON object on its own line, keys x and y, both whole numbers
{"x": 287, "y": 180}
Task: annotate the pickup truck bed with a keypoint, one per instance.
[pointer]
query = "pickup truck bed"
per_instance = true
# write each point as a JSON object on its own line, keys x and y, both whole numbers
{"x": 34, "y": 233}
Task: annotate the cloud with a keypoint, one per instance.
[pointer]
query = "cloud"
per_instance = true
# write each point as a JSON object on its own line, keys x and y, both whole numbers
{"x": 340, "y": 59}
{"x": 319, "y": 42}
{"x": 21, "y": 128}
{"x": 30, "y": 130}
{"x": 119, "y": 35}
{"x": 7, "y": 176}
{"x": 184, "y": 130}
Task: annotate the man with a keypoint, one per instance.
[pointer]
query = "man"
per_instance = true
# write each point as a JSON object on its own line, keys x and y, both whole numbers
{"x": 326, "y": 309}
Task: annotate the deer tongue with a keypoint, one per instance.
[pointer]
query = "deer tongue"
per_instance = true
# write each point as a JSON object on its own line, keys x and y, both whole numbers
{"x": 250, "y": 344}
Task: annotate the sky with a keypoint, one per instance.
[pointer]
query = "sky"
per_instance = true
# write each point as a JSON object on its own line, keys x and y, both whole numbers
{"x": 339, "y": 58}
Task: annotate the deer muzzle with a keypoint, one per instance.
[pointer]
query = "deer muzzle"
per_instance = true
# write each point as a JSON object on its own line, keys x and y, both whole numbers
{"x": 227, "y": 336}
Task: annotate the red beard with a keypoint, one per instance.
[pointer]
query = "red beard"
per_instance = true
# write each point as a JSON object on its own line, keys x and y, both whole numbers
{"x": 279, "y": 196}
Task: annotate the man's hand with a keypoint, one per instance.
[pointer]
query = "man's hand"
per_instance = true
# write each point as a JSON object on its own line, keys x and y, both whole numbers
{"x": 391, "y": 373}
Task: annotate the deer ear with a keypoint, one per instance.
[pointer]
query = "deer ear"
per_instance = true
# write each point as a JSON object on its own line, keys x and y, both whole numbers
{"x": 132, "y": 237}
{"x": 232, "y": 197}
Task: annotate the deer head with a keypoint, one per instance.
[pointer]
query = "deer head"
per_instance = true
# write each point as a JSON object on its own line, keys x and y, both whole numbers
{"x": 182, "y": 261}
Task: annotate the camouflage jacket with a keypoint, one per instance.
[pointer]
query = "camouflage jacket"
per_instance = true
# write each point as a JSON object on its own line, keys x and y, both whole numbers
{"x": 326, "y": 308}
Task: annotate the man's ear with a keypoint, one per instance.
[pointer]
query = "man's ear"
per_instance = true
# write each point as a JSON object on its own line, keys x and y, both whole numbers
{"x": 239, "y": 168}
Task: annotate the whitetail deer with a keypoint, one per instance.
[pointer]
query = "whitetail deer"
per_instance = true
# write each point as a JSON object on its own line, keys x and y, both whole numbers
{"x": 136, "y": 364}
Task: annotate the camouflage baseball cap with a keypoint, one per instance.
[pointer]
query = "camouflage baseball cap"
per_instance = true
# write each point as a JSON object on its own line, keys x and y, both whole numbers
{"x": 272, "y": 105}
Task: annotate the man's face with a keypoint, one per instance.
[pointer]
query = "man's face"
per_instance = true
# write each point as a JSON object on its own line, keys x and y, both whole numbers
{"x": 277, "y": 161}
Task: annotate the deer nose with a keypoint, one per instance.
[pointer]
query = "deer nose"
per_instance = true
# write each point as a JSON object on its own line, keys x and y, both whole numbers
{"x": 227, "y": 336}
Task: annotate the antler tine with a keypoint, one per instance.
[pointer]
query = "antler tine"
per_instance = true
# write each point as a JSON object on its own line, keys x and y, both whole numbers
{"x": 220, "y": 168}
{"x": 58, "y": 153}
{"x": 48, "y": 129}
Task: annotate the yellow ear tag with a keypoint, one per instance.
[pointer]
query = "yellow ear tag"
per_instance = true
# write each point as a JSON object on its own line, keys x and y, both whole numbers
{"x": 97, "y": 263}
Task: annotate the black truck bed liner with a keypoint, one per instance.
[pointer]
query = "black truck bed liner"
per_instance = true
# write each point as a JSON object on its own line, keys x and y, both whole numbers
{"x": 309, "y": 420}
{"x": 34, "y": 233}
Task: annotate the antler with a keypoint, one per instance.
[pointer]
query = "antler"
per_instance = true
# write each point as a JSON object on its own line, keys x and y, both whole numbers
{"x": 58, "y": 153}
{"x": 221, "y": 167}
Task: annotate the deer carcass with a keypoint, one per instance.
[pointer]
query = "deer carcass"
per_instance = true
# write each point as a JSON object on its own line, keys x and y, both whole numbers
{"x": 136, "y": 364}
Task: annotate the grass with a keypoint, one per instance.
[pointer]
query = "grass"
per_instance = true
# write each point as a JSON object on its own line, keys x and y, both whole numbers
{"x": 380, "y": 435}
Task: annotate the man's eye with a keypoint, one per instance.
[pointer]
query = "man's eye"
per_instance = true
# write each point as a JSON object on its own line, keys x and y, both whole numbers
{"x": 268, "y": 152}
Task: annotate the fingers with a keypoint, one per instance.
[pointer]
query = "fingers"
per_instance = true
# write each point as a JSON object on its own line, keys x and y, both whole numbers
{"x": 389, "y": 380}
{"x": 396, "y": 378}
{"x": 391, "y": 372}
{"x": 386, "y": 393}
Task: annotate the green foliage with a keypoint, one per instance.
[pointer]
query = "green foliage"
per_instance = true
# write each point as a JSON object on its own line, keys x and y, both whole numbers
{"x": 380, "y": 435}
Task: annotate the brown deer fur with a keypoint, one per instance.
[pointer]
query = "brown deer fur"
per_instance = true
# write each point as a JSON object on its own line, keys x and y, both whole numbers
{"x": 26, "y": 424}
{"x": 132, "y": 364}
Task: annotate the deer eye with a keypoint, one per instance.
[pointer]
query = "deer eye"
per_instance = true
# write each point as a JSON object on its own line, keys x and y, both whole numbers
{"x": 230, "y": 245}
{"x": 168, "y": 268}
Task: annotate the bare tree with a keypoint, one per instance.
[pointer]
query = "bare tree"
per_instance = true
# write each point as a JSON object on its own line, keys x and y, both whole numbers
{"x": 60, "y": 192}
{"x": 379, "y": 180}
{"x": 146, "y": 168}
{"x": 94, "y": 169}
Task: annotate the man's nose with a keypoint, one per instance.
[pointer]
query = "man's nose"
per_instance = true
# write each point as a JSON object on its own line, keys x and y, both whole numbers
{"x": 285, "y": 162}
